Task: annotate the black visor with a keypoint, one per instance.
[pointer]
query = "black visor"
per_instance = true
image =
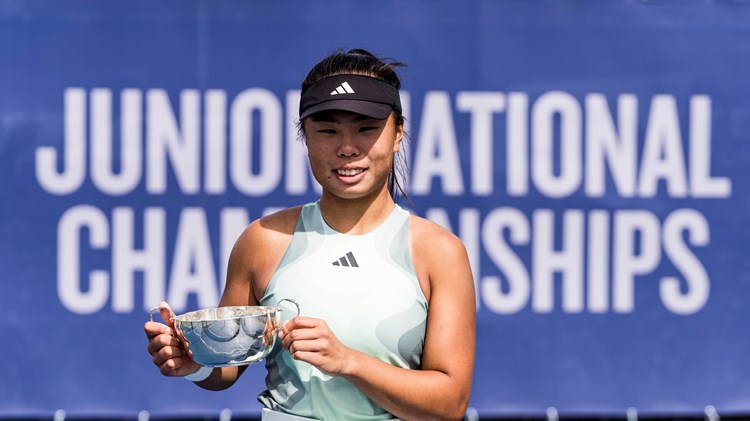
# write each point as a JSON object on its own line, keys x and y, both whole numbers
{"x": 359, "y": 94}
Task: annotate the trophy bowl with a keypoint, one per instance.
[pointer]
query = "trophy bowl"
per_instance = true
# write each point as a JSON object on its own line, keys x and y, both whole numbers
{"x": 228, "y": 336}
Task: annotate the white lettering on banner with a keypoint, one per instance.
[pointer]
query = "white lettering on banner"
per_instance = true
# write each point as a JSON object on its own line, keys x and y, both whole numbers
{"x": 701, "y": 182}
{"x": 543, "y": 116}
{"x": 216, "y": 142}
{"x": 482, "y": 106}
{"x": 696, "y": 278}
{"x": 73, "y": 173}
{"x": 631, "y": 225}
{"x": 168, "y": 140}
{"x": 514, "y": 297}
{"x": 635, "y": 242}
{"x": 176, "y": 143}
{"x": 269, "y": 174}
{"x": 172, "y": 144}
{"x": 102, "y": 155}
{"x": 546, "y": 261}
{"x": 127, "y": 259}
{"x": 192, "y": 264}
{"x": 192, "y": 271}
{"x": 517, "y": 144}
{"x": 663, "y": 157}
{"x": 605, "y": 145}
{"x": 541, "y": 259}
{"x": 72, "y": 294}
{"x": 437, "y": 153}
{"x": 598, "y": 262}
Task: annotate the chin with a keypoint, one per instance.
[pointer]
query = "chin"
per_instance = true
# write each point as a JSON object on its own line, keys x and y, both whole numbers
{"x": 350, "y": 194}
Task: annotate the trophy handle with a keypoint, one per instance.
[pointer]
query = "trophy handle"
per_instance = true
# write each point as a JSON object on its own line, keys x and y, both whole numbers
{"x": 291, "y": 301}
{"x": 158, "y": 309}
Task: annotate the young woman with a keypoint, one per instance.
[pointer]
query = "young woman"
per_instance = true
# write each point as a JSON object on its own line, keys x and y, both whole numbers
{"x": 388, "y": 312}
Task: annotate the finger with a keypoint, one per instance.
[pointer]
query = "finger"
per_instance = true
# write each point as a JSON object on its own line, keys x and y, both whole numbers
{"x": 171, "y": 367}
{"x": 154, "y": 329}
{"x": 161, "y": 341}
{"x": 167, "y": 353}
{"x": 307, "y": 345}
{"x": 300, "y": 355}
{"x": 307, "y": 356}
{"x": 315, "y": 344}
{"x": 166, "y": 313}
{"x": 299, "y": 322}
{"x": 301, "y": 334}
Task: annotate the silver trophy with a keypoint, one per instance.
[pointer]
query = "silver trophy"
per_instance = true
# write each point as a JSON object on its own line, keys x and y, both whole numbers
{"x": 228, "y": 336}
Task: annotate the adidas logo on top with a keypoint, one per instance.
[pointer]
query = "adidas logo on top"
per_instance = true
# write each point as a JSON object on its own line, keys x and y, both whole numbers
{"x": 344, "y": 88}
{"x": 347, "y": 260}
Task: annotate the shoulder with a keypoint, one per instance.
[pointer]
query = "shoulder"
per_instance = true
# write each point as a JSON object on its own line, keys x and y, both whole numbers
{"x": 440, "y": 258}
{"x": 432, "y": 239}
{"x": 257, "y": 252}
{"x": 282, "y": 221}
{"x": 265, "y": 237}
{"x": 271, "y": 227}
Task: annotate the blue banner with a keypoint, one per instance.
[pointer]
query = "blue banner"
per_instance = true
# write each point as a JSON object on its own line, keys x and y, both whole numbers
{"x": 591, "y": 155}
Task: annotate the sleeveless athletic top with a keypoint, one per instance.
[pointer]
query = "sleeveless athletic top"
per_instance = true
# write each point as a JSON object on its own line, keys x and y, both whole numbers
{"x": 366, "y": 289}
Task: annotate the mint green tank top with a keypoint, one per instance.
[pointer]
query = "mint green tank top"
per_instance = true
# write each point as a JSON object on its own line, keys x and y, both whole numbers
{"x": 366, "y": 289}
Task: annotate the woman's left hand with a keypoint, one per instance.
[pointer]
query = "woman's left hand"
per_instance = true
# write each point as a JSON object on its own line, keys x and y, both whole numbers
{"x": 312, "y": 341}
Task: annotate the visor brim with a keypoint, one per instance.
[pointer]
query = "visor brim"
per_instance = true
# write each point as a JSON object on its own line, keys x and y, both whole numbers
{"x": 374, "y": 110}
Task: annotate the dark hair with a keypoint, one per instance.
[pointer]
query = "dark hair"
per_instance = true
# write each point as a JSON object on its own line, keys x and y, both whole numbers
{"x": 356, "y": 61}
{"x": 362, "y": 62}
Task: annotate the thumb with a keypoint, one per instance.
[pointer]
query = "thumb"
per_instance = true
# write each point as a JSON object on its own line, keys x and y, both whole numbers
{"x": 166, "y": 313}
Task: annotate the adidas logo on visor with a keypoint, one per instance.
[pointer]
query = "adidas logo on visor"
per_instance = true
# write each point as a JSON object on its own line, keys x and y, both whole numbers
{"x": 347, "y": 260}
{"x": 344, "y": 88}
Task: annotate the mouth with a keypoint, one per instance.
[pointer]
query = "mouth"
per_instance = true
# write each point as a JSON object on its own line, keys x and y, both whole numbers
{"x": 349, "y": 172}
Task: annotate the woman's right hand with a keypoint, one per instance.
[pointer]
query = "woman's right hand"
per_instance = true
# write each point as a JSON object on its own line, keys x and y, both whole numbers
{"x": 166, "y": 349}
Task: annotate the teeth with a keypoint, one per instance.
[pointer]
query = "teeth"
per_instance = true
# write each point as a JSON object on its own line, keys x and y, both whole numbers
{"x": 349, "y": 172}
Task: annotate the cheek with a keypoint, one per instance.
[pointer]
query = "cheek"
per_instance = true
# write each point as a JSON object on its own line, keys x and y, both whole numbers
{"x": 318, "y": 161}
{"x": 315, "y": 150}
{"x": 388, "y": 149}
{"x": 315, "y": 159}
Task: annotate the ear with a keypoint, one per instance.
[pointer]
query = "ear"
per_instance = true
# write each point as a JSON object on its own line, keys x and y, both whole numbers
{"x": 399, "y": 137}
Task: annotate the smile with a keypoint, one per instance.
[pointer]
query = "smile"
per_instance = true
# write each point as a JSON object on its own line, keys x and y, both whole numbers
{"x": 350, "y": 172}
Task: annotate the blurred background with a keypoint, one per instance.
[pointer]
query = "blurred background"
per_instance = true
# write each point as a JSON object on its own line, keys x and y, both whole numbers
{"x": 592, "y": 155}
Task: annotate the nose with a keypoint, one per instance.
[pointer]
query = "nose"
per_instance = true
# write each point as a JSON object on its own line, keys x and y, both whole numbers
{"x": 347, "y": 147}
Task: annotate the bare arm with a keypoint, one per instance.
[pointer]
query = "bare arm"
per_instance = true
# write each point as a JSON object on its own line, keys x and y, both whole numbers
{"x": 254, "y": 258}
{"x": 440, "y": 390}
{"x": 238, "y": 292}
{"x": 255, "y": 255}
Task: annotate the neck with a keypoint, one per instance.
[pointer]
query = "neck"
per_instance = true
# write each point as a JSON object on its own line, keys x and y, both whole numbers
{"x": 356, "y": 216}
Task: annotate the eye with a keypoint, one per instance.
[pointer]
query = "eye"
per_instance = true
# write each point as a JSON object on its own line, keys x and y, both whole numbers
{"x": 327, "y": 131}
{"x": 367, "y": 128}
